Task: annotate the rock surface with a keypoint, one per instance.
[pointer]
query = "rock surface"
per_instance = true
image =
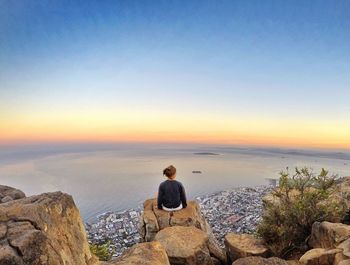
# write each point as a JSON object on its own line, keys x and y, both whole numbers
{"x": 345, "y": 254}
{"x": 150, "y": 253}
{"x": 9, "y": 194}
{"x": 43, "y": 230}
{"x": 154, "y": 220}
{"x": 319, "y": 256}
{"x": 262, "y": 261}
{"x": 185, "y": 245}
{"x": 328, "y": 235}
{"x": 244, "y": 245}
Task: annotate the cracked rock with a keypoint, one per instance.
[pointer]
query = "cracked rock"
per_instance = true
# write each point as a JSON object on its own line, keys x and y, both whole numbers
{"x": 43, "y": 230}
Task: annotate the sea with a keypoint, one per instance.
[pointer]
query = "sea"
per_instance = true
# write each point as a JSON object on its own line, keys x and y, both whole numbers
{"x": 115, "y": 177}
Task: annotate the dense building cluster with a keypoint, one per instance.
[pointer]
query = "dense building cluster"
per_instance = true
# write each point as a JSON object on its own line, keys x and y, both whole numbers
{"x": 237, "y": 210}
{"x": 119, "y": 228}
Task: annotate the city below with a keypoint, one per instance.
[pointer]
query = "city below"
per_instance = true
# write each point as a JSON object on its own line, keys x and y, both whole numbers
{"x": 237, "y": 210}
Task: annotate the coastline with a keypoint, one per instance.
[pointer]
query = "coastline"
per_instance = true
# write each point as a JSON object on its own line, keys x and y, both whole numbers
{"x": 236, "y": 210}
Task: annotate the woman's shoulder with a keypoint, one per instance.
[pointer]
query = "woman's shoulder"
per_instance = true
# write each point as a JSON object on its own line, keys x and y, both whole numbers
{"x": 163, "y": 183}
{"x": 178, "y": 183}
{"x": 170, "y": 182}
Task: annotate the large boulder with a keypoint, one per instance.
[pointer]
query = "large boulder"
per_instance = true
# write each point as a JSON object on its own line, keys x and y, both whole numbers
{"x": 345, "y": 254}
{"x": 263, "y": 261}
{"x": 319, "y": 256}
{"x": 43, "y": 230}
{"x": 150, "y": 226}
{"x": 185, "y": 245}
{"x": 154, "y": 220}
{"x": 9, "y": 194}
{"x": 244, "y": 245}
{"x": 328, "y": 235}
{"x": 150, "y": 253}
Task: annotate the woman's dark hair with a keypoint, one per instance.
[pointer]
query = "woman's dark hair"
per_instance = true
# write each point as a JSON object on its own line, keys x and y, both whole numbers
{"x": 169, "y": 171}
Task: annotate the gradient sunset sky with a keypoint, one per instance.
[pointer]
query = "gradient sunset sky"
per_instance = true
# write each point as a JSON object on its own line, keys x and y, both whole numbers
{"x": 225, "y": 72}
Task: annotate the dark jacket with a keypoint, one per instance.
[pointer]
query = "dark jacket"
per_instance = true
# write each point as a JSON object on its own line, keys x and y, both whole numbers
{"x": 171, "y": 194}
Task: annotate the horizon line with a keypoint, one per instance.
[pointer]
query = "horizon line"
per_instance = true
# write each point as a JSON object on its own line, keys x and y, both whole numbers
{"x": 22, "y": 142}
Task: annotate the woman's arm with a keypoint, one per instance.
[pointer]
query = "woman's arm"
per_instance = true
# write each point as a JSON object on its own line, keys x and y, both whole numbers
{"x": 183, "y": 196}
{"x": 160, "y": 197}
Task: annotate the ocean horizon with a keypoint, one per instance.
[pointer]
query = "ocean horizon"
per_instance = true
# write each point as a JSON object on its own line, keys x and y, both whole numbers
{"x": 116, "y": 177}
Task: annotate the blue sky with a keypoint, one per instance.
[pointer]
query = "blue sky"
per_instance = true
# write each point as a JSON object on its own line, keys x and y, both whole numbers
{"x": 268, "y": 60}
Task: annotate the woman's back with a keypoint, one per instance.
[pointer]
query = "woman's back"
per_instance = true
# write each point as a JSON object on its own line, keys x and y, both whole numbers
{"x": 171, "y": 193}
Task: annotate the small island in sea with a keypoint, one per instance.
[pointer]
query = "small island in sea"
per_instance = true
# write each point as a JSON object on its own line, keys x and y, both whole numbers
{"x": 206, "y": 154}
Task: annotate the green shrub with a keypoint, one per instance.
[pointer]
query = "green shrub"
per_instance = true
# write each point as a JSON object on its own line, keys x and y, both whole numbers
{"x": 103, "y": 251}
{"x": 300, "y": 200}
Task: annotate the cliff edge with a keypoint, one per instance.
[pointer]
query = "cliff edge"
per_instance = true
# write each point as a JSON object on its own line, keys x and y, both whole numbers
{"x": 43, "y": 230}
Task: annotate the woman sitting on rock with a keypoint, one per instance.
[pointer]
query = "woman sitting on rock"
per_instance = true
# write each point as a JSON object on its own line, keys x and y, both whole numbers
{"x": 171, "y": 193}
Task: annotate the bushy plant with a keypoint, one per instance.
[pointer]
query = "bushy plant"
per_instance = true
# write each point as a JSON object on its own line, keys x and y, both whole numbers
{"x": 103, "y": 251}
{"x": 301, "y": 199}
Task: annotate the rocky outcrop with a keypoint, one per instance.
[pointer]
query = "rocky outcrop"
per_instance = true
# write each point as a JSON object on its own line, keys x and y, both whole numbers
{"x": 47, "y": 230}
{"x": 43, "y": 230}
{"x": 9, "y": 194}
{"x": 263, "y": 261}
{"x": 345, "y": 254}
{"x": 328, "y": 235}
{"x": 244, "y": 245}
{"x": 319, "y": 256}
{"x": 154, "y": 220}
{"x": 185, "y": 245}
{"x": 151, "y": 253}
{"x": 149, "y": 226}
{"x": 331, "y": 243}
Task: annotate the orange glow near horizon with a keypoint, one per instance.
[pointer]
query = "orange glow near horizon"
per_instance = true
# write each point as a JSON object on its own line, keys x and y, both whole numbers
{"x": 173, "y": 128}
{"x": 176, "y": 72}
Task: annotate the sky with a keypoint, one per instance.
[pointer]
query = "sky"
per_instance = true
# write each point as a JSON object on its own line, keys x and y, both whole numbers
{"x": 271, "y": 73}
